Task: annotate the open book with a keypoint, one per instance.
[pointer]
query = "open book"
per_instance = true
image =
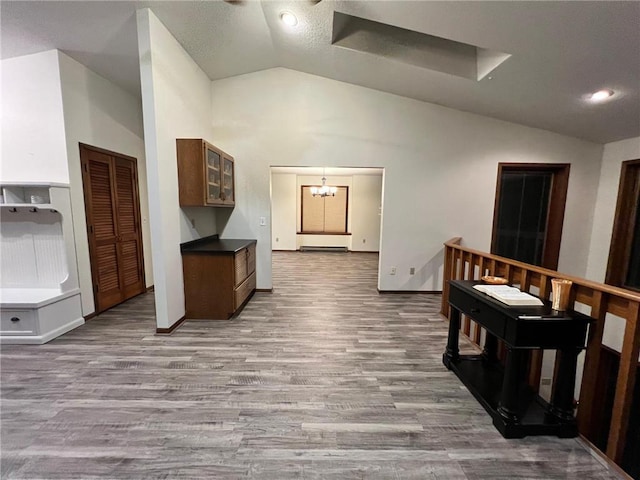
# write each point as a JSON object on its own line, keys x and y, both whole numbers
{"x": 509, "y": 295}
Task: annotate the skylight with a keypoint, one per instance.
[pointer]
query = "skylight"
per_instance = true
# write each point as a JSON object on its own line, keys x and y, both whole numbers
{"x": 415, "y": 48}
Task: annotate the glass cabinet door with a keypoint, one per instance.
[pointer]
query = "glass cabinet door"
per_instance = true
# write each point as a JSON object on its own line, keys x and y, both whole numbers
{"x": 213, "y": 176}
{"x": 227, "y": 181}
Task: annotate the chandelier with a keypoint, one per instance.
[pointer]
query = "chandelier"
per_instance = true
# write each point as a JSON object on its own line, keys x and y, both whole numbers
{"x": 324, "y": 190}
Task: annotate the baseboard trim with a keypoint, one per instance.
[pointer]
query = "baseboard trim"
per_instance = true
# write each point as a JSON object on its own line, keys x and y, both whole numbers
{"x": 321, "y": 248}
{"x": 90, "y": 316}
{"x": 264, "y": 290}
{"x": 150, "y": 289}
{"x": 172, "y": 328}
{"x": 604, "y": 459}
{"x": 404, "y": 292}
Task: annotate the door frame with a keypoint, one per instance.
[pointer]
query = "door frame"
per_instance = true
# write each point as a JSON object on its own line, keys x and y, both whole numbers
{"x": 555, "y": 209}
{"x": 622, "y": 233}
{"x": 87, "y": 206}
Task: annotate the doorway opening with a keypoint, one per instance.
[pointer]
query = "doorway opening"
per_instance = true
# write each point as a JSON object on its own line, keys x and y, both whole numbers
{"x": 346, "y": 218}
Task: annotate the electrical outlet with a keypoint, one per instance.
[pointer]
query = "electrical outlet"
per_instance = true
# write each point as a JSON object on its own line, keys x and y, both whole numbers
{"x": 393, "y": 270}
{"x": 412, "y": 271}
{"x": 277, "y": 239}
{"x": 193, "y": 223}
{"x": 364, "y": 240}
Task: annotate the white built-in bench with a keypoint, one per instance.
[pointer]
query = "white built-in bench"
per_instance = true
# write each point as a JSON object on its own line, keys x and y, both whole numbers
{"x": 39, "y": 293}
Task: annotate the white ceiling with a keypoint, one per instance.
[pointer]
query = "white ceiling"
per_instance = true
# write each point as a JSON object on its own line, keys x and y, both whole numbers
{"x": 560, "y": 50}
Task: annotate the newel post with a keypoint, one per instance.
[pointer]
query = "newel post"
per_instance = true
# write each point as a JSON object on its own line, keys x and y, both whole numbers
{"x": 625, "y": 384}
{"x": 448, "y": 261}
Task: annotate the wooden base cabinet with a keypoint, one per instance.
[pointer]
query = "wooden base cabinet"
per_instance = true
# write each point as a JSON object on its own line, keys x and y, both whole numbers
{"x": 219, "y": 277}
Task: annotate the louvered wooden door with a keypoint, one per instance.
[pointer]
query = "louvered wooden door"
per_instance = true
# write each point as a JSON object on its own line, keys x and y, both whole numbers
{"x": 113, "y": 225}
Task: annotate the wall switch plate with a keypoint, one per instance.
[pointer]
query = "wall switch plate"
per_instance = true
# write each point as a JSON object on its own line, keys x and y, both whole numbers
{"x": 412, "y": 271}
{"x": 263, "y": 221}
{"x": 193, "y": 223}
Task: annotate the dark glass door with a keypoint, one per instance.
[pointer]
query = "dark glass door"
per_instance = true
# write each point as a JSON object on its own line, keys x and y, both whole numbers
{"x": 623, "y": 269}
{"x": 529, "y": 212}
{"x": 522, "y": 215}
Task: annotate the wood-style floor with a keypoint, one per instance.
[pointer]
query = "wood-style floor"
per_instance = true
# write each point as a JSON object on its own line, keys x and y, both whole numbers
{"x": 322, "y": 379}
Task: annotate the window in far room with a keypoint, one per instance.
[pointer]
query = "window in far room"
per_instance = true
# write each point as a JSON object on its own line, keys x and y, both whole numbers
{"x": 324, "y": 214}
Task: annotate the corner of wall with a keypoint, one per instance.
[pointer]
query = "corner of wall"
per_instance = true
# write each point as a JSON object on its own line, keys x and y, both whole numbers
{"x": 613, "y": 154}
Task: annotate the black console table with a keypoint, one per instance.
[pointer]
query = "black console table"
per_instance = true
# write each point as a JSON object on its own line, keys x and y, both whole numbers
{"x": 516, "y": 409}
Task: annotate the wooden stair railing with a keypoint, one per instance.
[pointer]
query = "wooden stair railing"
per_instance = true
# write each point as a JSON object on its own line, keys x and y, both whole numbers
{"x": 461, "y": 263}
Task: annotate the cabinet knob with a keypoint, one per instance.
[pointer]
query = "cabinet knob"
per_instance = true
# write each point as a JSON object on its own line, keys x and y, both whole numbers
{"x": 15, "y": 319}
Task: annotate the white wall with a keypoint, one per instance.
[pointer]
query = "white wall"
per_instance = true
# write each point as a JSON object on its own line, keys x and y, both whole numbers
{"x": 366, "y": 212}
{"x": 176, "y": 100}
{"x": 283, "y": 211}
{"x": 33, "y": 144}
{"x": 614, "y": 154}
{"x": 440, "y": 165}
{"x": 101, "y": 114}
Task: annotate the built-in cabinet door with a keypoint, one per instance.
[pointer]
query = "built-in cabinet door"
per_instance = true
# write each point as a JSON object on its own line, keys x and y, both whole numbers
{"x": 213, "y": 177}
{"x": 128, "y": 226}
{"x": 228, "y": 193}
{"x": 113, "y": 226}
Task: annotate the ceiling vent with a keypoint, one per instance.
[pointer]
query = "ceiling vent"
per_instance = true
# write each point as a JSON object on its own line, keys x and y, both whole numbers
{"x": 415, "y": 48}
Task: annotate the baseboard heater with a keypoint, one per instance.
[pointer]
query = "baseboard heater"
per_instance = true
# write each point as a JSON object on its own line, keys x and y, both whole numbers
{"x": 323, "y": 249}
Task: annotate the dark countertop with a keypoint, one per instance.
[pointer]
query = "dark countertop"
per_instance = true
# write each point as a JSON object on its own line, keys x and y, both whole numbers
{"x": 213, "y": 245}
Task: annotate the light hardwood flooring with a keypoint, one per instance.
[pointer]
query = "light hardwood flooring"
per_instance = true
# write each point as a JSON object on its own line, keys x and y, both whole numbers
{"x": 322, "y": 379}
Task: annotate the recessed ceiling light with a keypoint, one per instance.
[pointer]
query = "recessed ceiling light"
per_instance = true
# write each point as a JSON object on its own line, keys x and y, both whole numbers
{"x": 600, "y": 95}
{"x": 289, "y": 19}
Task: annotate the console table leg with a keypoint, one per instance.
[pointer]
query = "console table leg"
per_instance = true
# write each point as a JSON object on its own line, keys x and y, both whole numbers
{"x": 561, "y": 405}
{"x": 489, "y": 352}
{"x": 452, "y": 352}
{"x": 508, "y": 406}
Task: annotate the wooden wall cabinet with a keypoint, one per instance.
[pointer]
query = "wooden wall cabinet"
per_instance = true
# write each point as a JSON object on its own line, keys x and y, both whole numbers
{"x": 219, "y": 277}
{"x": 206, "y": 175}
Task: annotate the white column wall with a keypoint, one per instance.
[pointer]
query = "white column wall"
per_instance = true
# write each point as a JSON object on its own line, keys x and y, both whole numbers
{"x": 176, "y": 103}
{"x": 366, "y": 212}
{"x": 283, "y": 211}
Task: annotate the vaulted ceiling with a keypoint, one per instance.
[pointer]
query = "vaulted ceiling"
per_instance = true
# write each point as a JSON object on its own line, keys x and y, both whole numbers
{"x": 559, "y": 51}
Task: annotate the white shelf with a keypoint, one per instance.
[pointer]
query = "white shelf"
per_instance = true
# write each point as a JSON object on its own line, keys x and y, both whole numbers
{"x": 43, "y": 206}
